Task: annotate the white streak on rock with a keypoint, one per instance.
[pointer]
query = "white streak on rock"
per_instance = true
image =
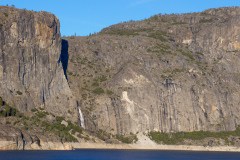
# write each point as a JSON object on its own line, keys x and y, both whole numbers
{"x": 81, "y": 118}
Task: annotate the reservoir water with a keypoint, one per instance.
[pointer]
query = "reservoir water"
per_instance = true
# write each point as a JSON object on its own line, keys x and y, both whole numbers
{"x": 116, "y": 155}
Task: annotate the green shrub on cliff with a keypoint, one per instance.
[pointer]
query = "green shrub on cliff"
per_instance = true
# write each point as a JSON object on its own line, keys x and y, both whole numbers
{"x": 8, "y": 111}
{"x": 103, "y": 135}
{"x": 41, "y": 114}
{"x": 127, "y": 138}
{"x": 122, "y": 32}
{"x": 64, "y": 132}
{"x": 98, "y": 90}
{"x": 19, "y": 93}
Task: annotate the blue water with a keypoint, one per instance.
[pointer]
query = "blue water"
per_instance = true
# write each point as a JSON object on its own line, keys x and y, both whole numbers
{"x": 116, "y": 155}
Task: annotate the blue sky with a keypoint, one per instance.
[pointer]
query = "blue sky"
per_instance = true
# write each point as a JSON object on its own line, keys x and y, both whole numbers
{"x": 88, "y": 16}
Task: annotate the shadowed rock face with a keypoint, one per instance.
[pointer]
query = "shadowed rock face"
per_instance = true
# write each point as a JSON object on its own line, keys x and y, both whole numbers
{"x": 30, "y": 75}
{"x": 168, "y": 73}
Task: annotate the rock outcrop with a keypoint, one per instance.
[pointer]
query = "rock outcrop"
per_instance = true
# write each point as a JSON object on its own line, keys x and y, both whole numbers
{"x": 31, "y": 74}
{"x": 16, "y": 139}
{"x": 12, "y": 138}
{"x": 168, "y": 73}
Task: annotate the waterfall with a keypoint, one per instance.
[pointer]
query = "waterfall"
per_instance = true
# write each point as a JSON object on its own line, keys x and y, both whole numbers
{"x": 81, "y": 118}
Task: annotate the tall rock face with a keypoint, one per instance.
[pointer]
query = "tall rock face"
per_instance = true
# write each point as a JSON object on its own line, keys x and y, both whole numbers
{"x": 168, "y": 73}
{"x": 31, "y": 75}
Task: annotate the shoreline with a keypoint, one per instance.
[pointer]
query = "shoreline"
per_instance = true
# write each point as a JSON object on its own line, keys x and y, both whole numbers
{"x": 154, "y": 147}
{"x": 10, "y": 145}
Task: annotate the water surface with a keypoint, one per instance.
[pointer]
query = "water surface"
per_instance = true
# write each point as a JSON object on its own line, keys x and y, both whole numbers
{"x": 116, "y": 155}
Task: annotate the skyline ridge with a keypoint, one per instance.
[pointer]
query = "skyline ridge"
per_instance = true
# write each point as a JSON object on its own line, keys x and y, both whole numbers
{"x": 83, "y": 18}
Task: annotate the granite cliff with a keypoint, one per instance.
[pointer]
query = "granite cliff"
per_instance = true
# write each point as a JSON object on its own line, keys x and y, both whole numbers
{"x": 168, "y": 73}
{"x": 165, "y": 74}
{"x": 31, "y": 76}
